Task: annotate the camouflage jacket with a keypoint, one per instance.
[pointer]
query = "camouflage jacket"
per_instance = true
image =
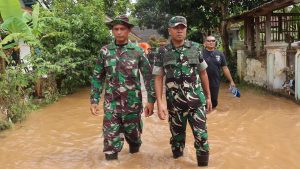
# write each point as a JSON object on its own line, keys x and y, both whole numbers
{"x": 151, "y": 55}
{"x": 181, "y": 67}
{"x": 118, "y": 69}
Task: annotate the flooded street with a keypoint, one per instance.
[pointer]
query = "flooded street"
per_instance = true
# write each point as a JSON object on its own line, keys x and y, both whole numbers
{"x": 254, "y": 132}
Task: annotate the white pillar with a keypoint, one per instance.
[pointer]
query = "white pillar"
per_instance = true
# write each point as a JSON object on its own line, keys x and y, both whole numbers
{"x": 241, "y": 61}
{"x": 297, "y": 70}
{"x": 276, "y": 62}
{"x": 297, "y": 75}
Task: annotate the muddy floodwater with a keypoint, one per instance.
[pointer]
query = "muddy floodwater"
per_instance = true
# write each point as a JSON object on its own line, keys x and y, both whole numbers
{"x": 252, "y": 132}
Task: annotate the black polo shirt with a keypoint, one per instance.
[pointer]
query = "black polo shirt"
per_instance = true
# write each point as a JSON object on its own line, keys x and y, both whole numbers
{"x": 215, "y": 61}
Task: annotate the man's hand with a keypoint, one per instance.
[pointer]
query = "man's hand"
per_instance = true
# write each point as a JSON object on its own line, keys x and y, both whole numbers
{"x": 208, "y": 105}
{"x": 232, "y": 84}
{"x": 162, "y": 111}
{"x": 94, "y": 109}
{"x": 148, "y": 110}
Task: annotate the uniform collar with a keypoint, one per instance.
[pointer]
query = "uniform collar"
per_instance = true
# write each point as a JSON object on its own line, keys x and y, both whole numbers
{"x": 112, "y": 45}
{"x": 186, "y": 44}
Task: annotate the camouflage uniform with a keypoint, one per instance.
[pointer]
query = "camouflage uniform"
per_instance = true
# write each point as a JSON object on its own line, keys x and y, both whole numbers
{"x": 151, "y": 56}
{"x": 118, "y": 69}
{"x": 185, "y": 98}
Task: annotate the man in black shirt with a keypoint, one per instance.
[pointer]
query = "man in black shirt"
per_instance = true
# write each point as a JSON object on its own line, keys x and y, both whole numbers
{"x": 215, "y": 61}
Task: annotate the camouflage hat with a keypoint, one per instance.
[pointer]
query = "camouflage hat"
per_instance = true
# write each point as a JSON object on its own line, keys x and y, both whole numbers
{"x": 121, "y": 19}
{"x": 177, "y": 20}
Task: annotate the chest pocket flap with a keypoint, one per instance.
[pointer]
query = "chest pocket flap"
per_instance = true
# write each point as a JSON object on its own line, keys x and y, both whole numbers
{"x": 193, "y": 56}
{"x": 169, "y": 59}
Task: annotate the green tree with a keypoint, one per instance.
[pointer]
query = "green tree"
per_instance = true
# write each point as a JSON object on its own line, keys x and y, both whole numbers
{"x": 203, "y": 17}
{"x": 152, "y": 14}
{"x": 75, "y": 49}
{"x": 117, "y": 7}
{"x": 13, "y": 81}
{"x": 64, "y": 41}
{"x": 221, "y": 10}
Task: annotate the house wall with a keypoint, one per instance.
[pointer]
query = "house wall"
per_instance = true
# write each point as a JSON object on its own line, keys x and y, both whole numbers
{"x": 268, "y": 74}
{"x": 250, "y": 69}
{"x": 256, "y": 72}
{"x": 276, "y": 62}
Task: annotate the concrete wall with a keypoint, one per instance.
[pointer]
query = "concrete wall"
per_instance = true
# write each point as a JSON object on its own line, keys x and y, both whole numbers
{"x": 270, "y": 74}
{"x": 255, "y": 72}
{"x": 276, "y": 62}
{"x": 251, "y": 70}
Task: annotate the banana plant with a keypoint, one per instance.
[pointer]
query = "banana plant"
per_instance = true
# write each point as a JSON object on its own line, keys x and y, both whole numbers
{"x": 15, "y": 25}
{"x": 10, "y": 8}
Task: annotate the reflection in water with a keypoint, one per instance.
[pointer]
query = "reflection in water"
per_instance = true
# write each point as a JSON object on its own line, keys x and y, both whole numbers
{"x": 253, "y": 132}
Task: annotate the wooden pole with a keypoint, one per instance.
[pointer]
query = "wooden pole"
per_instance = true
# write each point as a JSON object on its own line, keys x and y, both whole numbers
{"x": 257, "y": 38}
{"x": 268, "y": 29}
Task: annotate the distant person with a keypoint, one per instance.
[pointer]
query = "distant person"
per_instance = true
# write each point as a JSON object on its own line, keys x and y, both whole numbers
{"x": 151, "y": 55}
{"x": 145, "y": 46}
{"x": 215, "y": 61}
{"x": 147, "y": 49}
{"x": 117, "y": 70}
{"x": 182, "y": 65}
{"x": 162, "y": 42}
{"x": 153, "y": 51}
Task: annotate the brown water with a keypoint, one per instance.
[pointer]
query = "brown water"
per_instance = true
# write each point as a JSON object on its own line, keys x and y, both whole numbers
{"x": 253, "y": 132}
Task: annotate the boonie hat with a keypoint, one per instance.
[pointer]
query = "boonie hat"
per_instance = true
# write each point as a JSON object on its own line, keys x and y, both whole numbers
{"x": 121, "y": 19}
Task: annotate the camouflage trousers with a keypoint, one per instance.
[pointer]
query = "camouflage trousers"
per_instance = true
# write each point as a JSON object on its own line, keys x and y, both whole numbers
{"x": 197, "y": 120}
{"x": 117, "y": 126}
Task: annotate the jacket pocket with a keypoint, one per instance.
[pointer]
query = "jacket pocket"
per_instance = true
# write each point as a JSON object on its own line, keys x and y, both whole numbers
{"x": 110, "y": 66}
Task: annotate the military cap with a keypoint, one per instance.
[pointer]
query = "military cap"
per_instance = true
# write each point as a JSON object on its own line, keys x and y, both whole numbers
{"x": 121, "y": 19}
{"x": 177, "y": 20}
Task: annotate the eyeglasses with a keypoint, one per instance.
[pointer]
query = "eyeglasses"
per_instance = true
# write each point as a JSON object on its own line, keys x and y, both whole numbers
{"x": 210, "y": 40}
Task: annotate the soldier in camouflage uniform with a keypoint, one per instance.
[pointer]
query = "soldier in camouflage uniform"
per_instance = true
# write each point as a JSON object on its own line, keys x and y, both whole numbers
{"x": 182, "y": 64}
{"x": 151, "y": 56}
{"x": 153, "y": 52}
{"x": 117, "y": 68}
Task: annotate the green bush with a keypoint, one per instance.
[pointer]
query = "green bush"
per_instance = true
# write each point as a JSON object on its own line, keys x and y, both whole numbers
{"x": 75, "y": 48}
{"x": 4, "y": 124}
{"x": 14, "y": 95}
{"x": 64, "y": 43}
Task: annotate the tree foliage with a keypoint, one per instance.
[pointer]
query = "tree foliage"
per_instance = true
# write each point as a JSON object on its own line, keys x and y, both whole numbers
{"x": 203, "y": 16}
{"x": 82, "y": 32}
{"x": 11, "y": 8}
{"x": 64, "y": 42}
{"x": 117, "y": 7}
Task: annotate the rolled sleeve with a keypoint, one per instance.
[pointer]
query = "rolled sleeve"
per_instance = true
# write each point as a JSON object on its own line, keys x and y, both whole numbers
{"x": 203, "y": 65}
{"x": 158, "y": 71}
{"x": 158, "y": 65}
